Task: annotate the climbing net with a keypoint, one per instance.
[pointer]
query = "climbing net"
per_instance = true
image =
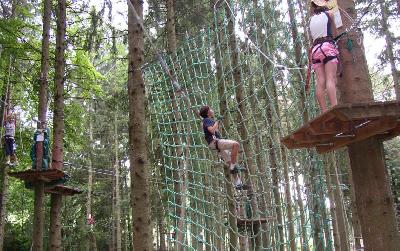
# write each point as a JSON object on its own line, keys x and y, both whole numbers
{"x": 244, "y": 68}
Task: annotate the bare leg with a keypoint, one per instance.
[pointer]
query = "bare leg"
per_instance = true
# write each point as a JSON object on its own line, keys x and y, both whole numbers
{"x": 320, "y": 87}
{"x": 234, "y": 153}
{"x": 236, "y": 178}
{"x": 330, "y": 73}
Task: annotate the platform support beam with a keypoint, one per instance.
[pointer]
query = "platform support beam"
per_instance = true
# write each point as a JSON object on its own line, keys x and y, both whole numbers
{"x": 371, "y": 184}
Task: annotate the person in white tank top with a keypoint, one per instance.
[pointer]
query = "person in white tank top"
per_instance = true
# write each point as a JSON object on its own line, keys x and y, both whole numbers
{"x": 324, "y": 53}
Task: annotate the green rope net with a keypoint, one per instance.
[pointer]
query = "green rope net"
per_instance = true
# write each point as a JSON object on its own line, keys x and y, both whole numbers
{"x": 244, "y": 68}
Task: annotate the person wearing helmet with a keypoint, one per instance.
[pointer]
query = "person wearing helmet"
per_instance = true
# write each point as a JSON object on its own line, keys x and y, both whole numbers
{"x": 324, "y": 54}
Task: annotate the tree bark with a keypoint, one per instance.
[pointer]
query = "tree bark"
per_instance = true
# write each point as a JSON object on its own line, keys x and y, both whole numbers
{"x": 223, "y": 108}
{"x": 180, "y": 173}
{"x": 263, "y": 189}
{"x": 170, "y": 25}
{"x": 37, "y": 240}
{"x": 55, "y": 222}
{"x": 335, "y": 231}
{"x": 37, "y": 237}
{"x": 389, "y": 48}
{"x": 113, "y": 243}
{"x": 340, "y": 210}
{"x": 398, "y": 7}
{"x": 270, "y": 105}
{"x": 355, "y": 220}
{"x": 314, "y": 204}
{"x": 5, "y": 109}
{"x": 91, "y": 242}
{"x": 58, "y": 124}
{"x": 140, "y": 201}
{"x": 371, "y": 184}
{"x": 117, "y": 210}
{"x": 3, "y": 197}
{"x": 58, "y": 120}
{"x": 325, "y": 226}
{"x": 242, "y": 115}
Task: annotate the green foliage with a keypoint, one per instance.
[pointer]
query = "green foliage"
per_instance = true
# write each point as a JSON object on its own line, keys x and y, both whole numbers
{"x": 86, "y": 76}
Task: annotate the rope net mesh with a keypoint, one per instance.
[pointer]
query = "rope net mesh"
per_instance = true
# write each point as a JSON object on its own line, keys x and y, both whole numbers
{"x": 244, "y": 68}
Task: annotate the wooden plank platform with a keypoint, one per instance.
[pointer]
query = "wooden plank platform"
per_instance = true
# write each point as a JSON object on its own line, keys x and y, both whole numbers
{"x": 33, "y": 176}
{"x": 251, "y": 223}
{"x": 247, "y": 223}
{"x": 62, "y": 190}
{"x": 346, "y": 124}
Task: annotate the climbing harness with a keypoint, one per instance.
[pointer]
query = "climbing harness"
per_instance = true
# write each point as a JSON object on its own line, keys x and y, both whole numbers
{"x": 216, "y": 144}
{"x": 320, "y": 42}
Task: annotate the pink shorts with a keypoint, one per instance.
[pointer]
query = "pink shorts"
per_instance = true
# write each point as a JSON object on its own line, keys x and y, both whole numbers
{"x": 318, "y": 53}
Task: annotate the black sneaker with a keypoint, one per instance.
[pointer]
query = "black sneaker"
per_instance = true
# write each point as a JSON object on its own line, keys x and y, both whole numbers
{"x": 241, "y": 186}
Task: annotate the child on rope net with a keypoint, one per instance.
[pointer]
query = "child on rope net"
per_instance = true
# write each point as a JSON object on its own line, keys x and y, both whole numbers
{"x": 227, "y": 149}
{"x": 9, "y": 126}
{"x": 324, "y": 54}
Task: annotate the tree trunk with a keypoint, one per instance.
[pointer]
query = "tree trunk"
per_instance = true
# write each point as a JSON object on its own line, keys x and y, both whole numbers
{"x": 55, "y": 222}
{"x": 91, "y": 244}
{"x": 335, "y": 231}
{"x": 303, "y": 228}
{"x": 300, "y": 74}
{"x": 371, "y": 184}
{"x": 288, "y": 197}
{"x": 301, "y": 77}
{"x": 170, "y": 25}
{"x": 340, "y": 210}
{"x": 117, "y": 210}
{"x": 325, "y": 224}
{"x": 265, "y": 193}
{"x": 161, "y": 230}
{"x": 4, "y": 195}
{"x": 58, "y": 120}
{"x": 37, "y": 237}
{"x": 242, "y": 116}
{"x": 223, "y": 108}
{"x": 355, "y": 220}
{"x": 207, "y": 211}
{"x": 140, "y": 201}
{"x": 58, "y": 124}
{"x": 37, "y": 244}
{"x": 128, "y": 221}
{"x": 113, "y": 243}
{"x": 314, "y": 204}
{"x": 389, "y": 48}
{"x": 180, "y": 174}
{"x": 5, "y": 109}
{"x": 398, "y": 7}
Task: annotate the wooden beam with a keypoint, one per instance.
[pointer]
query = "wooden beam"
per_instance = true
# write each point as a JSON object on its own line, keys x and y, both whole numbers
{"x": 62, "y": 190}
{"x": 374, "y": 128}
{"x": 36, "y": 176}
{"x": 370, "y": 110}
{"x": 331, "y": 127}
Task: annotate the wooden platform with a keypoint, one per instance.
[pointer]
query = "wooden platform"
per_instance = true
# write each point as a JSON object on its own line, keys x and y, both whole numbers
{"x": 248, "y": 223}
{"x": 33, "y": 176}
{"x": 62, "y": 190}
{"x": 346, "y": 124}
